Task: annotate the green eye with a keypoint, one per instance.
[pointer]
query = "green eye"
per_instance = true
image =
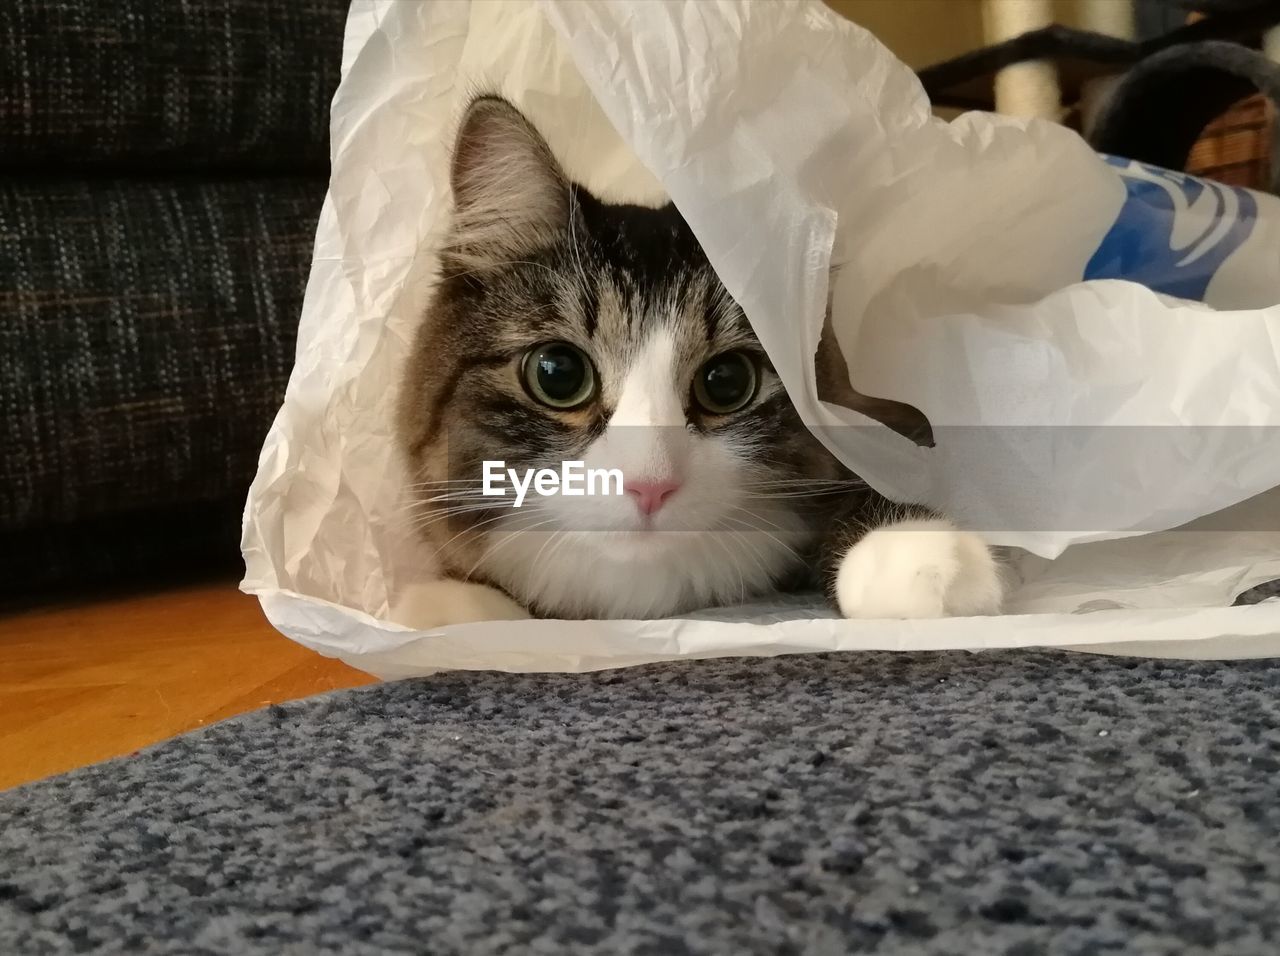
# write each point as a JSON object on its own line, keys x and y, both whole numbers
{"x": 559, "y": 375}
{"x": 726, "y": 383}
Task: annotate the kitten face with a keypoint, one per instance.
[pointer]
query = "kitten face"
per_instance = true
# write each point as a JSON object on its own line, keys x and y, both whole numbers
{"x": 569, "y": 329}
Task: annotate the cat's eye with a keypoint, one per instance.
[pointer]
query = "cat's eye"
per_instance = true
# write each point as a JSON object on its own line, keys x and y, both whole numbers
{"x": 726, "y": 383}
{"x": 559, "y": 375}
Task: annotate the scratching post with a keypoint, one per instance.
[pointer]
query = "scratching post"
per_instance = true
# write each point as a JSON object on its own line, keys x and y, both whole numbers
{"x": 1271, "y": 44}
{"x": 1023, "y": 89}
{"x": 1115, "y": 18}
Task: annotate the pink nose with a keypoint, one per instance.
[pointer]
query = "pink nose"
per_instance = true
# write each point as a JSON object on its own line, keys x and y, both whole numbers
{"x": 652, "y": 494}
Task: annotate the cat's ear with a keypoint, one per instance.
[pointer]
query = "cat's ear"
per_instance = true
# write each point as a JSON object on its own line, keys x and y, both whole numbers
{"x": 510, "y": 195}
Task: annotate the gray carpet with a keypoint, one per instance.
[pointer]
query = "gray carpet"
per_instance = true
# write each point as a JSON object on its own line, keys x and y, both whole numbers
{"x": 1015, "y": 803}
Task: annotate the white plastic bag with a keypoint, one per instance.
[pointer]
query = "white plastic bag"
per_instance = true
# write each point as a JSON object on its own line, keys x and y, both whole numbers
{"x": 1065, "y": 412}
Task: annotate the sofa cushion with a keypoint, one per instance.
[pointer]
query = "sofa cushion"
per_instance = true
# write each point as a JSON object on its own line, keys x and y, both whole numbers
{"x": 146, "y": 335}
{"x": 141, "y": 85}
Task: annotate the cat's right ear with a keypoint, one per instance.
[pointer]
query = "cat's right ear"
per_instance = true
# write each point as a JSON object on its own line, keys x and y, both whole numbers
{"x": 511, "y": 197}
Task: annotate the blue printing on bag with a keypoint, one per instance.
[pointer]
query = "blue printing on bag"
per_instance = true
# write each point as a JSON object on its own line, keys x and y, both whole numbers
{"x": 1140, "y": 246}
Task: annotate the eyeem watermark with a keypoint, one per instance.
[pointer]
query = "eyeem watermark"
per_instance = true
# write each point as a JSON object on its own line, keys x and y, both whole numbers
{"x": 573, "y": 478}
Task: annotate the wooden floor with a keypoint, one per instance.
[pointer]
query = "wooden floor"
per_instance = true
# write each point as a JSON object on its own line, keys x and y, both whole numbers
{"x": 81, "y": 683}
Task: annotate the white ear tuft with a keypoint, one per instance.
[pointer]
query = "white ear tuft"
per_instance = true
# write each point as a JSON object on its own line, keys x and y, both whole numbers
{"x": 510, "y": 195}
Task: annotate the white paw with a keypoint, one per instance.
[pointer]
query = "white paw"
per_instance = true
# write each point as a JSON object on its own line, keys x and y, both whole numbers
{"x": 443, "y": 602}
{"x": 915, "y": 569}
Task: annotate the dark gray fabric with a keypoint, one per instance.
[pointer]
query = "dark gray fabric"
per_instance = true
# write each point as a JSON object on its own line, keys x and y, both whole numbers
{"x": 146, "y": 333}
{"x": 162, "y": 164}
{"x": 1015, "y": 803}
{"x": 144, "y": 86}
{"x": 1158, "y": 110}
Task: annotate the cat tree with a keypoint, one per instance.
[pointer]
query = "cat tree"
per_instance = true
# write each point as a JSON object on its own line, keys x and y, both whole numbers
{"x": 1149, "y": 99}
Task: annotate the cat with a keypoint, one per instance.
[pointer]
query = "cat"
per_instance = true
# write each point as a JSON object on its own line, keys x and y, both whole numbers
{"x": 563, "y": 327}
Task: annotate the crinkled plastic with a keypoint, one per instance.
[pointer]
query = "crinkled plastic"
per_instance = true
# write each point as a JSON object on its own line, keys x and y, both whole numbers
{"x": 1122, "y": 438}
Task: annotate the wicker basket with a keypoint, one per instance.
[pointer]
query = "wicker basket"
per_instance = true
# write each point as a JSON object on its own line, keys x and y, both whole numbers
{"x": 1236, "y": 147}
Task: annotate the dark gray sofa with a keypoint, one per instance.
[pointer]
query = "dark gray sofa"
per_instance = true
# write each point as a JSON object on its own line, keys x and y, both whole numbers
{"x": 162, "y": 166}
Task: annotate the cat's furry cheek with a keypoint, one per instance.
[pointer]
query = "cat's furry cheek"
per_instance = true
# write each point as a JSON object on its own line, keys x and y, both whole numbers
{"x": 445, "y": 602}
{"x": 922, "y": 568}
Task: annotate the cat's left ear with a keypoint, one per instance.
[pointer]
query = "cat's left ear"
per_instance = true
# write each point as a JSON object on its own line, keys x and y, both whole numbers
{"x": 511, "y": 196}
